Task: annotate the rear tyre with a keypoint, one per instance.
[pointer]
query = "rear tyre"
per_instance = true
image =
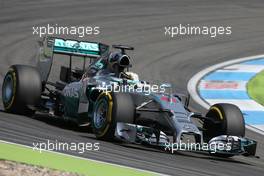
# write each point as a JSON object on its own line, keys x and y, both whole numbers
{"x": 231, "y": 122}
{"x": 109, "y": 109}
{"x": 21, "y": 88}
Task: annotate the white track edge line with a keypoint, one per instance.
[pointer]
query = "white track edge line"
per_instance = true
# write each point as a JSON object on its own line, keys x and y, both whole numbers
{"x": 195, "y": 80}
{"x": 87, "y": 159}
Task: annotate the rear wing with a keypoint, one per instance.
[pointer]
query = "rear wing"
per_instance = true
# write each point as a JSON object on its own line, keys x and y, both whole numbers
{"x": 75, "y": 47}
{"x": 51, "y": 45}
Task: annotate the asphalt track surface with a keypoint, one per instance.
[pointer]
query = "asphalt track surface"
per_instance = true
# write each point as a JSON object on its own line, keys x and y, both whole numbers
{"x": 157, "y": 57}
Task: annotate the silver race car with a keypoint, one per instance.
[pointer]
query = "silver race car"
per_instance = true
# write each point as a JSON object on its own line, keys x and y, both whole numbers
{"x": 117, "y": 105}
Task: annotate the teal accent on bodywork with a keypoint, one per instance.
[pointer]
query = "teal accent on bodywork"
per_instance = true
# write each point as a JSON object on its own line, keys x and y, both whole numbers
{"x": 99, "y": 64}
{"x": 132, "y": 82}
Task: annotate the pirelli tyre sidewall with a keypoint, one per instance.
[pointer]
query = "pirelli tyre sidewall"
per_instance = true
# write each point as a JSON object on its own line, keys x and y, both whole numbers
{"x": 109, "y": 109}
{"x": 230, "y": 118}
{"x": 21, "y": 87}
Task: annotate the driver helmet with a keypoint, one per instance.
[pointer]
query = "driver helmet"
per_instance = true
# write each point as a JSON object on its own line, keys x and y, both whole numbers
{"x": 117, "y": 62}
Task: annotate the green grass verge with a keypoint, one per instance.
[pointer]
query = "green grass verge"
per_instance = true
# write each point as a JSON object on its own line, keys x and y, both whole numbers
{"x": 255, "y": 88}
{"x": 64, "y": 162}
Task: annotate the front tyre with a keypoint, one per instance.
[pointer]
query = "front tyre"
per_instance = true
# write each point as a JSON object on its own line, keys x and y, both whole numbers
{"x": 109, "y": 109}
{"x": 230, "y": 121}
{"x": 230, "y": 118}
{"x": 21, "y": 87}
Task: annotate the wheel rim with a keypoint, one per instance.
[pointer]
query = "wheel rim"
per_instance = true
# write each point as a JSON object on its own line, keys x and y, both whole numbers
{"x": 8, "y": 88}
{"x": 100, "y": 114}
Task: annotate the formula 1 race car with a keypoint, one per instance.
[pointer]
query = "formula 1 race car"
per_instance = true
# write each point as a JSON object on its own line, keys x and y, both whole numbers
{"x": 116, "y": 104}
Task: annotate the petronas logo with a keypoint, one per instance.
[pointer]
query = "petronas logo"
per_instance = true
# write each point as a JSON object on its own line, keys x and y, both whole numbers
{"x": 76, "y": 45}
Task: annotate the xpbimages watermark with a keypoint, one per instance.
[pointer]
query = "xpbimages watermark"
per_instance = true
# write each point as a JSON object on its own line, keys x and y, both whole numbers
{"x": 79, "y": 31}
{"x": 147, "y": 89}
{"x": 182, "y": 30}
{"x": 79, "y": 147}
{"x": 187, "y": 146}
